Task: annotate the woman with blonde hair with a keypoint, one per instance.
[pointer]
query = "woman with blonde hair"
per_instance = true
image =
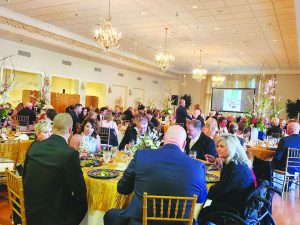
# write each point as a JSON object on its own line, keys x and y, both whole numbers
{"x": 43, "y": 129}
{"x": 236, "y": 180}
{"x": 274, "y": 128}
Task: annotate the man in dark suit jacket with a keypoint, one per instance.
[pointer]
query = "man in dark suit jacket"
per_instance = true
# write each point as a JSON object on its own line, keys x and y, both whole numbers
{"x": 198, "y": 141}
{"x": 132, "y": 131}
{"x": 75, "y": 116}
{"x": 27, "y": 111}
{"x": 153, "y": 122}
{"x": 166, "y": 171}
{"x": 128, "y": 115}
{"x": 54, "y": 188}
{"x": 181, "y": 113}
{"x": 291, "y": 141}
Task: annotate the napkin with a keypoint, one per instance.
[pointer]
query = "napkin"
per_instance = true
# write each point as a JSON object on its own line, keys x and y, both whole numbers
{"x": 22, "y": 137}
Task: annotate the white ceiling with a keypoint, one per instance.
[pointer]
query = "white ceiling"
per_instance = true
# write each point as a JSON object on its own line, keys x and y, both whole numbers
{"x": 243, "y": 34}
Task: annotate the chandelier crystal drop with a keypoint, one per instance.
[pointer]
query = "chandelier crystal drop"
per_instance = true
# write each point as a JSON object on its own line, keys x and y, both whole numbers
{"x": 218, "y": 80}
{"x": 106, "y": 36}
{"x": 164, "y": 59}
{"x": 199, "y": 73}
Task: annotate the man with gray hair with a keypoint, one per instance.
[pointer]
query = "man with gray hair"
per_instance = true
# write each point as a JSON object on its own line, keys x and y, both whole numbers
{"x": 198, "y": 141}
{"x": 54, "y": 188}
{"x": 165, "y": 171}
{"x": 291, "y": 141}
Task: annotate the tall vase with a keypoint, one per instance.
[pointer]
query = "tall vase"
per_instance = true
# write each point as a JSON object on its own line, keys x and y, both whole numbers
{"x": 254, "y": 134}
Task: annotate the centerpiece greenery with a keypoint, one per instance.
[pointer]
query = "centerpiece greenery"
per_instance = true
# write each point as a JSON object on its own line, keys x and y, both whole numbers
{"x": 150, "y": 140}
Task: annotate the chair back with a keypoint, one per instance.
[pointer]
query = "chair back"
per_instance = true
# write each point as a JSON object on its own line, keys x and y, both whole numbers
{"x": 104, "y": 133}
{"x": 293, "y": 160}
{"x": 23, "y": 120}
{"x": 16, "y": 194}
{"x": 9, "y": 150}
{"x": 169, "y": 208}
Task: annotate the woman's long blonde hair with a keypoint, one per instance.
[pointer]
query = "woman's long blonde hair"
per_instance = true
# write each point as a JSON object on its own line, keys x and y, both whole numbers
{"x": 236, "y": 152}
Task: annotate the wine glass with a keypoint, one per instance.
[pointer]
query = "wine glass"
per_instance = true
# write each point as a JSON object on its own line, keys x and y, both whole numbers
{"x": 114, "y": 151}
{"x": 106, "y": 156}
{"x": 193, "y": 154}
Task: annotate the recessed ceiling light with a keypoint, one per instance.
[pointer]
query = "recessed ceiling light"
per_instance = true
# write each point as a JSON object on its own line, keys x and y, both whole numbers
{"x": 195, "y": 7}
{"x": 143, "y": 13}
{"x": 274, "y": 40}
{"x": 100, "y": 18}
{"x": 216, "y": 28}
{"x": 193, "y": 45}
{"x": 230, "y": 43}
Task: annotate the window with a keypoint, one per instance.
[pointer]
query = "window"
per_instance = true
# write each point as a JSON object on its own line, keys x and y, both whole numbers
{"x": 236, "y": 85}
{"x": 252, "y": 83}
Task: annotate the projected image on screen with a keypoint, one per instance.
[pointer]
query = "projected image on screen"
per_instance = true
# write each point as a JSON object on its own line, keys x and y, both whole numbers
{"x": 232, "y": 100}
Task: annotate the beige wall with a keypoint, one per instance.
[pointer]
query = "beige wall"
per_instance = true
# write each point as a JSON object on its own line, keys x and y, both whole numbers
{"x": 287, "y": 87}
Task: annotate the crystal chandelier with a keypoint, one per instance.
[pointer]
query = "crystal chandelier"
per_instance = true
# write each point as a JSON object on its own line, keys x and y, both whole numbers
{"x": 218, "y": 79}
{"x": 199, "y": 73}
{"x": 106, "y": 36}
{"x": 164, "y": 59}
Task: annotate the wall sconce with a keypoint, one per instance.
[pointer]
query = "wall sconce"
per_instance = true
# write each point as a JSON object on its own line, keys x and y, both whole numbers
{"x": 109, "y": 89}
{"x": 130, "y": 92}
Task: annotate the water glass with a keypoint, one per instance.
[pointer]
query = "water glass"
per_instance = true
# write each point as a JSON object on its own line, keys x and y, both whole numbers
{"x": 193, "y": 154}
{"x": 114, "y": 151}
{"x": 106, "y": 156}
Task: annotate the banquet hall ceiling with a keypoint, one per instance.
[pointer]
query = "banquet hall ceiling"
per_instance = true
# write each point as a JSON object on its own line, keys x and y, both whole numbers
{"x": 243, "y": 34}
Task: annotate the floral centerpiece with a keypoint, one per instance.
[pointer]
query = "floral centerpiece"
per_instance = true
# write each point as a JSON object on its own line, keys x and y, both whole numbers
{"x": 150, "y": 140}
{"x": 4, "y": 110}
{"x": 167, "y": 106}
{"x": 265, "y": 105}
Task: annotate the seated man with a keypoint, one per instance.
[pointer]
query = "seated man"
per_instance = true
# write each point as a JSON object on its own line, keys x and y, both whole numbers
{"x": 27, "y": 111}
{"x": 153, "y": 122}
{"x": 54, "y": 188}
{"x": 165, "y": 171}
{"x": 198, "y": 141}
{"x": 291, "y": 141}
{"x": 140, "y": 127}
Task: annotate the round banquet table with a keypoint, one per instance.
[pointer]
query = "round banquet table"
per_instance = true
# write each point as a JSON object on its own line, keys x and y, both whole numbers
{"x": 102, "y": 194}
{"x": 260, "y": 152}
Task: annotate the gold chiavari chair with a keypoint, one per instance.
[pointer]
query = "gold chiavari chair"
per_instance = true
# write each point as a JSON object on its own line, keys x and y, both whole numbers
{"x": 8, "y": 155}
{"x": 16, "y": 195}
{"x": 104, "y": 133}
{"x": 23, "y": 122}
{"x": 169, "y": 208}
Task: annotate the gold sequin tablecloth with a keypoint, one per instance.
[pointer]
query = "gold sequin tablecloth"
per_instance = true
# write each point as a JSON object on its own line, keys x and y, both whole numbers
{"x": 102, "y": 194}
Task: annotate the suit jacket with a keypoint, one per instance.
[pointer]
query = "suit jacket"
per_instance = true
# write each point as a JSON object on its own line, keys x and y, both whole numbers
{"x": 158, "y": 172}
{"x": 54, "y": 188}
{"x": 181, "y": 115}
{"x": 130, "y": 134}
{"x": 204, "y": 145}
{"x": 75, "y": 120}
{"x": 279, "y": 159}
{"x": 236, "y": 182}
{"x": 274, "y": 130}
{"x": 27, "y": 112}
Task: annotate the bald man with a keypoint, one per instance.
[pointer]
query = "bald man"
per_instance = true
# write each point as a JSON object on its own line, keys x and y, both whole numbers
{"x": 165, "y": 171}
{"x": 27, "y": 111}
{"x": 291, "y": 141}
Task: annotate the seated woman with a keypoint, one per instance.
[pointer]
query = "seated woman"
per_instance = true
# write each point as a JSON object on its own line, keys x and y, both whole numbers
{"x": 236, "y": 180}
{"x": 233, "y": 129}
{"x": 87, "y": 141}
{"x": 43, "y": 129}
{"x": 109, "y": 123}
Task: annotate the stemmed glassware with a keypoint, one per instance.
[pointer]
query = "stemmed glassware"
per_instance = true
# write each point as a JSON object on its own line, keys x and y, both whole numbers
{"x": 106, "y": 156}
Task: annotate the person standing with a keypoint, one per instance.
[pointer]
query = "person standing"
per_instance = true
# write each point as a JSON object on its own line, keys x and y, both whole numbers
{"x": 54, "y": 188}
{"x": 75, "y": 116}
{"x": 181, "y": 113}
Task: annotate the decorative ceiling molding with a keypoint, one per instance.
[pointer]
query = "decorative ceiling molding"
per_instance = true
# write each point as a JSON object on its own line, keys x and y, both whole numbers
{"x": 71, "y": 42}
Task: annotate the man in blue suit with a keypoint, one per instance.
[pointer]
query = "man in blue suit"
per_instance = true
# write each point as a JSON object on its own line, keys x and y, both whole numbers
{"x": 166, "y": 171}
{"x": 291, "y": 141}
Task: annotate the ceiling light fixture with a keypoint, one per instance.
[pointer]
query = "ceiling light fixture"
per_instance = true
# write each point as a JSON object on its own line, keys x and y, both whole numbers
{"x": 106, "y": 36}
{"x": 216, "y": 28}
{"x": 143, "y": 13}
{"x": 164, "y": 59}
{"x": 218, "y": 79}
{"x": 199, "y": 73}
{"x": 195, "y": 7}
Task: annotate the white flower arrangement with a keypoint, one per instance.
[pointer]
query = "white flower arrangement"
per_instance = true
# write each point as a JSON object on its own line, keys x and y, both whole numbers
{"x": 150, "y": 140}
